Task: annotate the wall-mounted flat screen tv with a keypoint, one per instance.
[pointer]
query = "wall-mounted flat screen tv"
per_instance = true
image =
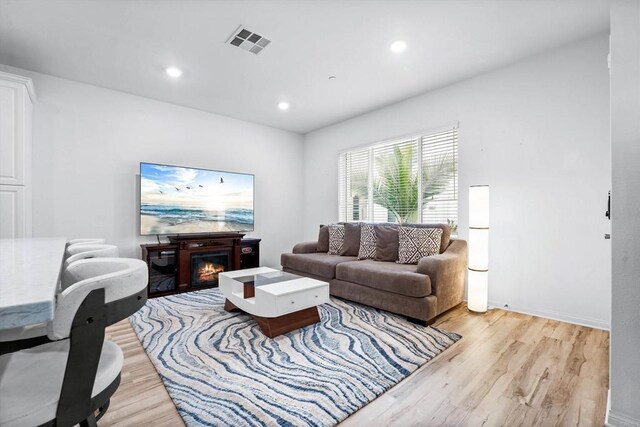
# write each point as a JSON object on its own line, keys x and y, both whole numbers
{"x": 183, "y": 200}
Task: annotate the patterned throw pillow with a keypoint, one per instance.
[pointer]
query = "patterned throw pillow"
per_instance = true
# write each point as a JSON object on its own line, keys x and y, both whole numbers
{"x": 336, "y": 239}
{"x": 367, "y": 242}
{"x": 415, "y": 243}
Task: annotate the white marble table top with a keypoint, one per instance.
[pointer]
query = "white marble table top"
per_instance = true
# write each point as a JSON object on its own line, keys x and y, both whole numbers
{"x": 29, "y": 273}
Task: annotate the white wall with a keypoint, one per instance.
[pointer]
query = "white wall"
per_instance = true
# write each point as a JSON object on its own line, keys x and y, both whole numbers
{"x": 88, "y": 142}
{"x": 538, "y": 133}
{"x": 625, "y": 214}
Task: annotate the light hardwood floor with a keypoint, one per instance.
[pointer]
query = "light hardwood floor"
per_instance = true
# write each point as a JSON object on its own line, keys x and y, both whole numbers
{"x": 508, "y": 369}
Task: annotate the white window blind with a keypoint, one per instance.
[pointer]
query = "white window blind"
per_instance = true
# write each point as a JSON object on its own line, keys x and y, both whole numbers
{"x": 409, "y": 180}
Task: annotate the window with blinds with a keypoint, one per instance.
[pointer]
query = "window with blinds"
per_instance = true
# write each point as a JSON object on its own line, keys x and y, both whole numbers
{"x": 409, "y": 180}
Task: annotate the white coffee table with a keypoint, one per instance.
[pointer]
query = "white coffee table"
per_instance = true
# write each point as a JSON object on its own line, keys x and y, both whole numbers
{"x": 280, "y": 302}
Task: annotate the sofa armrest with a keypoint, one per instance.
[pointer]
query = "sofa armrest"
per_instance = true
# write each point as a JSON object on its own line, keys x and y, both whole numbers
{"x": 305, "y": 248}
{"x": 447, "y": 272}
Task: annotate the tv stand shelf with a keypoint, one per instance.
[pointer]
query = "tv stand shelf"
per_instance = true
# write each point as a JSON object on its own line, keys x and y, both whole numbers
{"x": 189, "y": 263}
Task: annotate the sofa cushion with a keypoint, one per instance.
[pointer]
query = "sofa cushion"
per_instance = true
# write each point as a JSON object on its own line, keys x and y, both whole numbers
{"x": 351, "y": 239}
{"x": 387, "y": 276}
{"x": 386, "y": 242}
{"x": 416, "y": 243}
{"x": 367, "y": 242}
{"x": 322, "y": 265}
{"x": 323, "y": 239}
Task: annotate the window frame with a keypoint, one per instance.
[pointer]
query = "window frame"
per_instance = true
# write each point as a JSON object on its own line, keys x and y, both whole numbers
{"x": 417, "y": 138}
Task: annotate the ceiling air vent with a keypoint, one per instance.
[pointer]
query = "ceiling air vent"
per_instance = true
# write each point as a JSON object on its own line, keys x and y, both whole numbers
{"x": 248, "y": 40}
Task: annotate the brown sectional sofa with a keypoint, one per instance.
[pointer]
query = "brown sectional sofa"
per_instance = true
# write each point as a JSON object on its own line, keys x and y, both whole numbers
{"x": 421, "y": 292}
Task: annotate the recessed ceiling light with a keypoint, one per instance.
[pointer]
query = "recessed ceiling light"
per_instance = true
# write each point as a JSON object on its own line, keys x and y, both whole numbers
{"x": 174, "y": 72}
{"x": 283, "y": 105}
{"x": 398, "y": 46}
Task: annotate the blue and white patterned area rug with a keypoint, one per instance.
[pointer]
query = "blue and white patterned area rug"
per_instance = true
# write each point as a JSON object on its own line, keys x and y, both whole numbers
{"x": 220, "y": 369}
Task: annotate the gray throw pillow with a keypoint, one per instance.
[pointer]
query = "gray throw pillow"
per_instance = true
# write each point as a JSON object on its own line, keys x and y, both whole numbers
{"x": 386, "y": 242}
{"x": 323, "y": 240}
{"x": 367, "y": 242}
{"x": 351, "y": 239}
{"x": 336, "y": 239}
{"x": 416, "y": 243}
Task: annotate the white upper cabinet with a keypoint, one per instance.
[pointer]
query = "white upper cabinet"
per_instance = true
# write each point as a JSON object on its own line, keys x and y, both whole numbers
{"x": 16, "y": 98}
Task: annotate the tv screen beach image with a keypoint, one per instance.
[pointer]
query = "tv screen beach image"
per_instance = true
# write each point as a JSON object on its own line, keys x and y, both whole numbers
{"x": 180, "y": 200}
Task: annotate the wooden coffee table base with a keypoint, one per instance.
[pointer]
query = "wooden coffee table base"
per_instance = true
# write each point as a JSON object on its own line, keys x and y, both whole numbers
{"x": 274, "y": 326}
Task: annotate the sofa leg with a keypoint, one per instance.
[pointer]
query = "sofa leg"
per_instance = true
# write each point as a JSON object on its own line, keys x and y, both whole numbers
{"x": 421, "y": 322}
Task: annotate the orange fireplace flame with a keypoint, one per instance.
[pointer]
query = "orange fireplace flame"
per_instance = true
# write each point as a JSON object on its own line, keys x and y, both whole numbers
{"x": 209, "y": 272}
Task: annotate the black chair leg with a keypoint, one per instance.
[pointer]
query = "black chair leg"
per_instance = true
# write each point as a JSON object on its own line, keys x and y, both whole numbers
{"x": 103, "y": 409}
{"x": 89, "y": 422}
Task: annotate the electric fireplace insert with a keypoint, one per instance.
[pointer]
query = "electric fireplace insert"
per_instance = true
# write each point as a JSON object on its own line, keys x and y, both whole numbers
{"x": 206, "y": 266}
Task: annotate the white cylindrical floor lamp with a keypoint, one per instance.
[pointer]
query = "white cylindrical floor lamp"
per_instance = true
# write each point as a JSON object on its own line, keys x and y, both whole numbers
{"x": 478, "y": 248}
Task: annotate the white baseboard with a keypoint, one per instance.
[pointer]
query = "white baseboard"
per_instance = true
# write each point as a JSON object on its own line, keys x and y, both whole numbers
{"x": 582, "y": 321}
{"x": 619, "y": 420}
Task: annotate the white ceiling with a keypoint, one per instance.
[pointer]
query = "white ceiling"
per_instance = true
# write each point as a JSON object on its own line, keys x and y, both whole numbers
{"x": 125, "y": 45}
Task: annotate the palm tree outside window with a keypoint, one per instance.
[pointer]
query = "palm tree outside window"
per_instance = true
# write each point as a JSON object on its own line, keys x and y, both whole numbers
{"x": 406, "y": 181}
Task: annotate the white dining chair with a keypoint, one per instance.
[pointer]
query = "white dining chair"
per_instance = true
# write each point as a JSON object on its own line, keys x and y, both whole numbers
{"x": 64, "y": 382}
{"x": 77, "y": 252}
{"x": 79, "y": 243}
{"x": 86, "y": 240}
{"x": 76, "y": 248}
{"x": 89, "y": 250}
